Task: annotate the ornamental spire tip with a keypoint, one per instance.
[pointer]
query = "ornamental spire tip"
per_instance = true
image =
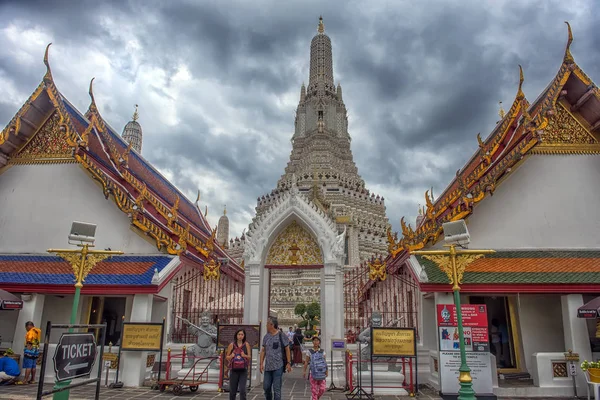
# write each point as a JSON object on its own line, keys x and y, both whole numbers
{"x": 47, "y": 63}
{"x": 321, "y": 27}
{"x": 136, "y": 116}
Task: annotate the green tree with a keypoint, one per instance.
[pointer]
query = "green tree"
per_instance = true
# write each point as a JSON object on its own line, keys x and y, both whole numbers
{"x": 310, "y": 315}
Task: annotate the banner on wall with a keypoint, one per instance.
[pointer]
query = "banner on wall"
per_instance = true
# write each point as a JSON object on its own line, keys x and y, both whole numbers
{"x": 476, "y": 334}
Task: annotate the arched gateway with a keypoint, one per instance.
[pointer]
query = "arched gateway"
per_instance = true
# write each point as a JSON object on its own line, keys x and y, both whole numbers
{"x": 293, "y": 207}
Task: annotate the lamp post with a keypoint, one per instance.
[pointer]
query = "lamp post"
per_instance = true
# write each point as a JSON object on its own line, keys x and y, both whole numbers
{"x": 82, "y": 261}
{"x": 453, "y": 262}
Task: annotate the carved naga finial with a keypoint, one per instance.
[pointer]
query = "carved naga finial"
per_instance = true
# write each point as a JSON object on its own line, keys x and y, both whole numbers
{"x": 568, "y": 56}
{"x": 91, "y": 93}
{"x": 48, "y": 76}
{"x": 520, "y": 94}
{"x": 198, "y": 197}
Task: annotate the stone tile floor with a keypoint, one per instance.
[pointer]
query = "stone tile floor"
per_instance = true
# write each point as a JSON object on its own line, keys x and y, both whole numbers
{"x": 294, "y": 388}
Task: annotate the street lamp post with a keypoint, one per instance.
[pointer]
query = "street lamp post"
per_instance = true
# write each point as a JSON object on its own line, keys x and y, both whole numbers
{"x": 82, "y": 261}
{"x": 453, "y": 262}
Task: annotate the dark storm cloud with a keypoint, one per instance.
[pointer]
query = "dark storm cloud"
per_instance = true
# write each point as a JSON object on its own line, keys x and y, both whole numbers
{"x": 218, "y": 82}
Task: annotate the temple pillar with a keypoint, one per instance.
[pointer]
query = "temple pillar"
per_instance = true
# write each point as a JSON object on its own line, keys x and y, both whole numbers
{"x": 133, "y": 363}
{"x": 576, "y": 333}
{"x": 331, "y": 304}
{"x": 32, "y": 311}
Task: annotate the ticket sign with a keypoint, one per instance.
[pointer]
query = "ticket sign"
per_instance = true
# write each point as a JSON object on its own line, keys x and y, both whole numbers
{"x": 338, "y": 344}
{"x": 226, "y": 333}
{"x": 141, "y": 336}
{"x": 393, "y": 342}
{"x": 74, "y": 356}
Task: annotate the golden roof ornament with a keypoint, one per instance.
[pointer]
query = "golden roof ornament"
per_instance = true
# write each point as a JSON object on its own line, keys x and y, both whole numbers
{"x": 136, "y": 116}
{"x": 501, "y": 111}
{"x": 48, "y": 75}
{"x": 321, "y": 27}
{"x": 91, "y": 93}
{"x": 520, "y": 94}
{"x": 225, "y": 209}
{"x": 198, "y": 198}
{"x": 568, "y": 56}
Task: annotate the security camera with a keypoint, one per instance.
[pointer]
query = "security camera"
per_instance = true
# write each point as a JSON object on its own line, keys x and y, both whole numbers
{"x": 456, "y": 232}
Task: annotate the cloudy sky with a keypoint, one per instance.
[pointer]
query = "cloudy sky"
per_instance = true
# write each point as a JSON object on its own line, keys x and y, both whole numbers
{"x": 218, "y": 81}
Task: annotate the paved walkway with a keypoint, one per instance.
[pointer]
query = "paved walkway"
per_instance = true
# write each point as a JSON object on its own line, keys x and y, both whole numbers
{"x": 294, "y": 388}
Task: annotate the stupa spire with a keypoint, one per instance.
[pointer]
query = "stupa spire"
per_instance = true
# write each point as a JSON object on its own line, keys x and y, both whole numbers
{"x": 321, "y": 59}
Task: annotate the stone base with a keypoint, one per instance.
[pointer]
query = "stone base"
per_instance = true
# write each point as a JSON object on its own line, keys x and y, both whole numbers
{"x": 384, "y": 382}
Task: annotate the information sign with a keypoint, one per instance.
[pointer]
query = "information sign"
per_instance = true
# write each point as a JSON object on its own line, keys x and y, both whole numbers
{"x": 226, "y": 332}
{"x": 74, "y": 356}
{"x": 338, "y": 344}
{"x": 393, "y": 342}
{"x": 477, "y": 347}
{"x": 141, "y": 336}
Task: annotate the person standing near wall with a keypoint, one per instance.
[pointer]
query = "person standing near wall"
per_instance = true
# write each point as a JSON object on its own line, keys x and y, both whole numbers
{"x": 238, "y": 357}
{"x": 274, "y": 359}
{"x": 32, "y": 336}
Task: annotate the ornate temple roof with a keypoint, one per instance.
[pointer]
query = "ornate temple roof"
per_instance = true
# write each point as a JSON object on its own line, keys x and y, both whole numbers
{"x": 538, "y": 128}
{"x": 148, "y": 199}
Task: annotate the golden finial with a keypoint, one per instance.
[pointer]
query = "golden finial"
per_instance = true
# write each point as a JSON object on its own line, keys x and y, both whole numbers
{"x": 198, "y": 198}
{"x": 225, "y": 209}
{"x": 568, "y": 57}
{"x": 48, "y": 75}
{"x": 321, "y": 28}
{"x": 501, "y": 112}
{"x": 520, "y": 94}
{"x": 135, "y": 113}
{"x": 206, "y": 211}
{"x": 91, "y": 92}
{"x": 420, "y": 209}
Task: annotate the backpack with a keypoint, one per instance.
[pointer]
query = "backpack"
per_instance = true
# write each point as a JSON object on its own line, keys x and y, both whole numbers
{"x": 283, "y": 354}
{"x": 318, "y": 365}
{"x": 238, "y": 363}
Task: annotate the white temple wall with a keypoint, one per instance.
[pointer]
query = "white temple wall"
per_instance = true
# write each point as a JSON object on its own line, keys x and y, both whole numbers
{"x": 7, "y": 327}
{"x": 547, "y": 202}
{"x": 58, "y": 310}
{"x": 39, "y": 203}
{"x": 541, "y": 326}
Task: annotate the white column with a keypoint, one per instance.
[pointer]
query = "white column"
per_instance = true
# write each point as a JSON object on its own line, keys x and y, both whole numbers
{"x": 576, "y": 333}
{"x": 353, "y": 255}
{"x": 331, "y": 305}
{"x": 133, "y": 364}
{"x": 32, "y": 311}
{"x": 252, "y": 295}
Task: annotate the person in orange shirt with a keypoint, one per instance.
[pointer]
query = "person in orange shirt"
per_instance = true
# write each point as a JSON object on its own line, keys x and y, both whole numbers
{"x": 33, "y": 337}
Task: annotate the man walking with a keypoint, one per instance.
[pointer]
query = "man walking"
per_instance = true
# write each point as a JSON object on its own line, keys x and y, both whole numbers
{"x": 274, "y": 357}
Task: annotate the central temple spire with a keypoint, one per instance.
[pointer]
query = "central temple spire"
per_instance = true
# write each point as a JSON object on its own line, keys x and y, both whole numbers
{"x": 321, "y": 60}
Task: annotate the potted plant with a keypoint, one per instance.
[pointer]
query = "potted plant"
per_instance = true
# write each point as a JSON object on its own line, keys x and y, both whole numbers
{"x": 593, "y": 369}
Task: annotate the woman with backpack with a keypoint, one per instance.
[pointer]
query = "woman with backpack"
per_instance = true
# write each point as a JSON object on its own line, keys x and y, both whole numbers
{"x": 315, "y": 357}
{"x": 238, "y": 357}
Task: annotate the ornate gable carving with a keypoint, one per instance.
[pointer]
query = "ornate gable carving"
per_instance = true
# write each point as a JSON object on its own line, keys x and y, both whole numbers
{"x": 563, "y": 128}
{"x": 48, "y": 144}
{"x": 294, "y": 246}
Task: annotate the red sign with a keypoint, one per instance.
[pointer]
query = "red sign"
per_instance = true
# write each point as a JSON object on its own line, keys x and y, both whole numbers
{"x": 475, "y": 327}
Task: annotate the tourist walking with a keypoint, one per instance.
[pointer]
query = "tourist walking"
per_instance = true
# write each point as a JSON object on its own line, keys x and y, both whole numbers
{"x": 238, "y": 357}
{"x": 274, "y": 359}
{"x": 315, "y": 358}
{"x": 297, "y": 347}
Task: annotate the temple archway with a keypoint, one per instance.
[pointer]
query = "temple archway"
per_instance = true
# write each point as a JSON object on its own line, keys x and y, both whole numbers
{"x": 296, "y": 214}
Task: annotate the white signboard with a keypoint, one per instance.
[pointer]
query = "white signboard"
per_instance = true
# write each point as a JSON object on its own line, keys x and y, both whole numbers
{"x": 480, "y": 364}
{"x": 572, "y": 369}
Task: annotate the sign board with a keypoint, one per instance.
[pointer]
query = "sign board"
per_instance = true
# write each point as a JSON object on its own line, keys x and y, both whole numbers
{"x": 393, "y": 342}
{"x": 74, "y": 356}
{"x": 338, "y": 344}
{"x": 226, "y": 333}
{"x": 480, "y": 371}
{"x": 477, "y": 347}
{"x": 143, "y": 336}
{"x": 110, "y": 358}
{"x": 11, "y": 304}
{"x": 572, "y": 369}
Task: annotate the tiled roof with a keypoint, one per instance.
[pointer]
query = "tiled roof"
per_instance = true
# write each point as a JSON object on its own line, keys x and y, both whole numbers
{"x": 48, "y": 269}
{"x": 526, "y": 267}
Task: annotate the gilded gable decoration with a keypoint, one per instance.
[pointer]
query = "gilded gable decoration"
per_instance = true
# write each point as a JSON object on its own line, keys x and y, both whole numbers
{"x": 294, "y": 246}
